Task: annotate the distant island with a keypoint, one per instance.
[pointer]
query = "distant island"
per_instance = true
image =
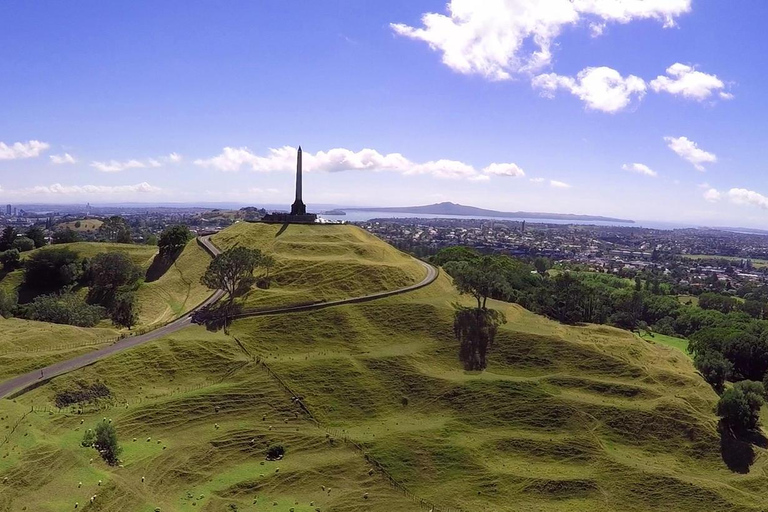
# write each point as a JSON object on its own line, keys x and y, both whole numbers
{"x": 448, "y": 208}
{"x": 334, "y": 212}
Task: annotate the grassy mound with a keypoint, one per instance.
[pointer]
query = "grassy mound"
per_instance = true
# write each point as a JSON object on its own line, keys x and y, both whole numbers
{"x": 320, "y": 263}
{"x": 82, "y": 226}
{"x": 564, "y": 419}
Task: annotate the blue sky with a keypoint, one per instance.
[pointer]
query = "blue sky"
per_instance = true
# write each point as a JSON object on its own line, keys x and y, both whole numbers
{"x": 647, "y": 109}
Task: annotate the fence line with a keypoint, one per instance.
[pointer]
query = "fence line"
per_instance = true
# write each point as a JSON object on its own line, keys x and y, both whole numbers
{"x": 13, "y": 429}
{"x": 394, "y": 483}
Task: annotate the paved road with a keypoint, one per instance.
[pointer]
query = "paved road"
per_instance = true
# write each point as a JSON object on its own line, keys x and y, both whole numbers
{"x": 29, "y": 380}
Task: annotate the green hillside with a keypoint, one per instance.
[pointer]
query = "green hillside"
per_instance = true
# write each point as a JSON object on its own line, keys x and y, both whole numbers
{"x": 564, "y": 419}
{"x": 82, "y": 226}
{"x": 320, "y": 263}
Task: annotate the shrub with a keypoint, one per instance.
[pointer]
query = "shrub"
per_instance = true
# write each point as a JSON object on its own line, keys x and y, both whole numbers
{"x": 52, "y": 269}
{"x": 104, "y": 439}
{"x": 23, "y": 244}
{"x": 8, "y": 303}
{"x": 80, "y": 392}
{"x": 65, "y": 236}
{"x": 66, "y": 308}
{"x": 739, "y": 406}
{"x": 10, "y": 259}
{"x": 275, "y": 451}
{"x": 713, "y": 367}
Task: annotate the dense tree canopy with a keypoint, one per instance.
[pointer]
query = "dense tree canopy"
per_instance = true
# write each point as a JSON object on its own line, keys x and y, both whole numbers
{"x": 65, "y": 236}
{"x": 7, "y": 237}
{"x": 52, "y": 269}
{"x": 37, "y": 235}
{"x": 116, "y": 229}
{"x": 228, "y": 270}
{"x": 110, "y": 272}
{"x": 173, "y": 239}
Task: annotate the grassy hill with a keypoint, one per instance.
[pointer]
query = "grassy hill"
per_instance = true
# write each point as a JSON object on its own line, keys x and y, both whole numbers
{"x": 321, "y": 263}
{"x": 564, "y": 419}
{"x": 82, "y": 226}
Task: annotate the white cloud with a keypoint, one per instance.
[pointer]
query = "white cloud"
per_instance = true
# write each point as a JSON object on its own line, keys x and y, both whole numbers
{"x": 640, "y": 169}
{"x": 744, "y": 196}
{"x": 537, "y": 180}
{"x": 57, "y": 189}
{"x": 118, "y": 166}
{"x": 19, "y": 150}
{"x": 340, "y": 159}
{"x": 690, "y": 151}
{"x": 512, "y": 170}
{"x": 558, "y": 184}
{"x": 500, "y": 38}
{"x": 66, "y": 158}
{"x": 712, "y": 195}
{"x": 685, "y": 81}
{"x": 600, "y": 88}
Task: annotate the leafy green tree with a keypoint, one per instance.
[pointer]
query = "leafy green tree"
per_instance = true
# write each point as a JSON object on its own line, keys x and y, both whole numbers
{"x": 542, "y": 264}
{"x": 37, "y": 235}
{"x": 228, "y": 270}
{"x": 109, "y": 273}
{"x": 10, "y": 259}
{"x": 124, "y": 311}
{"x": 475, "y": 328}
{"x": 151, "y": 240}
{"x": 104, "y": 439}
{"x": 65, "y": 308}
{"x": 715, "y": 368}
{"x": 23, "y": 244}
{"x": 52, "y": 269}
{"x": 116, "y": 229}
{"x": 739, "y": 407}
{"x": 173, "y": 239}
{"x": 7, "y": 238}
{"x": 65, "y": 236}
{"x": 456, "y": 253}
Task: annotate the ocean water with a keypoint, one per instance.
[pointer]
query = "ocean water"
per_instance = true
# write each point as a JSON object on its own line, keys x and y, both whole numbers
{"x": 359, "y": 216}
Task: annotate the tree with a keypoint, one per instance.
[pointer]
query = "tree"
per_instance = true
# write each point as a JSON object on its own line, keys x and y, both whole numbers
{"x": 52, "y": 269}
{"x": 7, "y": 238}
{"x": 475, "y": 329}
{"x": 151, "y": 240}
{"x": 110, "y": 272}
{"x": 456, "y": 253}
{"x": 65, "y": 236}
{"x": 116, "y": 229}
{"x": 124, "y": 311}
{"x": 23, "y": 244}
{"x": 542, "y": 264}
{"x": 173, "y": 240}
{"x": 8, "y": 303}
{"x": 482, "y": 278}
{"x": 104, "y": 439}
{"x": 715, "y": 368}
{"x": 739, "y": 407}
{"x": 228, "y": 270}
{"x": 37, "y": 235}
{"x": 10, "y": 259}
{"x": 65, "y": 308}
{"x": 267, "y": 262}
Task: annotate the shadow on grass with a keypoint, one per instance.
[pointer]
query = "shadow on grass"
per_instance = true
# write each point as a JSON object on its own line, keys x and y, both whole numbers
{"x": 160, "y": 265}
{"x": 282, "y": 229}
{"x": 737, "y": 448}
{"x": 217, "y": 316}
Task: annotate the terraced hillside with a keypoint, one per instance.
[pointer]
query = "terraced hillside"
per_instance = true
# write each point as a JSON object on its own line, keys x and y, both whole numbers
{"x": 321, "y": 263}
{"x": 564, "y": 419}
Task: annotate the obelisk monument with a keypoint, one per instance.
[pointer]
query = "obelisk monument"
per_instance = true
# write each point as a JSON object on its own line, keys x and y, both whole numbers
{"x": 298, "y": 207}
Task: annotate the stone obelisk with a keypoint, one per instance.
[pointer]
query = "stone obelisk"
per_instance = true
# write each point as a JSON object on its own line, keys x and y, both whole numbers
{"x": 298, "y": 207}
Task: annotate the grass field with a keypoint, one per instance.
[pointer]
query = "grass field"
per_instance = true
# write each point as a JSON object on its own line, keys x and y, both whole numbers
{"x": 570, "y": 419}
{"x": 670, "y": 341}
{"x": 82, "y": 226}
{"x": 564, "y": 419}
{"x": 321, "y": 263}
{"x": 755, "y": 263}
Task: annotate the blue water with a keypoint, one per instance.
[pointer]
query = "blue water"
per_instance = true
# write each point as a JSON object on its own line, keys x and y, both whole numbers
{"x": 357, "y": 216}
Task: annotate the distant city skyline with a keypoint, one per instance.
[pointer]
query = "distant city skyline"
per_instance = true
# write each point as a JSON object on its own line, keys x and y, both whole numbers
{"x": 622, "y": 108}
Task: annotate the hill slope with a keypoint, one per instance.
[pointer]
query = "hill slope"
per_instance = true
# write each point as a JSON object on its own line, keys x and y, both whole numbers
{"x": 320, "y": 263}
{"x": 564, "y": 419}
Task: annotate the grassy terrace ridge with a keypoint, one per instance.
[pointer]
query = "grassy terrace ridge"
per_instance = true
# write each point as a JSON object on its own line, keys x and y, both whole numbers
{"x": 321, "y": 263}
{"x": 82, "y": 225}
{"x": 564, "y": 418}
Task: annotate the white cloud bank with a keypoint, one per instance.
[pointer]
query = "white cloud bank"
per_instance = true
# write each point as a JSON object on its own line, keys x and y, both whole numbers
{"x": 66, "y": 158}
{"x": 686, "y": 81}
{"x": 500, "y": 38}
{"x": 340, "y": 160}
{"x": 739, "y": 196}
{"x": 558, "y": 184}
{"x": 602, "y": 88}
{"x": 119, "y": 166}
{"x": 690, "y": 151}
{"x": 640, "y": 169}
{"x": 57, "y": 189}
{"x": 19, "y": 150}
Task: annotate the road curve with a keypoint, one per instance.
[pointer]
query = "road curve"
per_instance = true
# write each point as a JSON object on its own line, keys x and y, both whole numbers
{"x": 34, "y": 378}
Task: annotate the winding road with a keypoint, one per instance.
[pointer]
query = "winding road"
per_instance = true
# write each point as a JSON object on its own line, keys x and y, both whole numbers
{"x": 40, "y": 376}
